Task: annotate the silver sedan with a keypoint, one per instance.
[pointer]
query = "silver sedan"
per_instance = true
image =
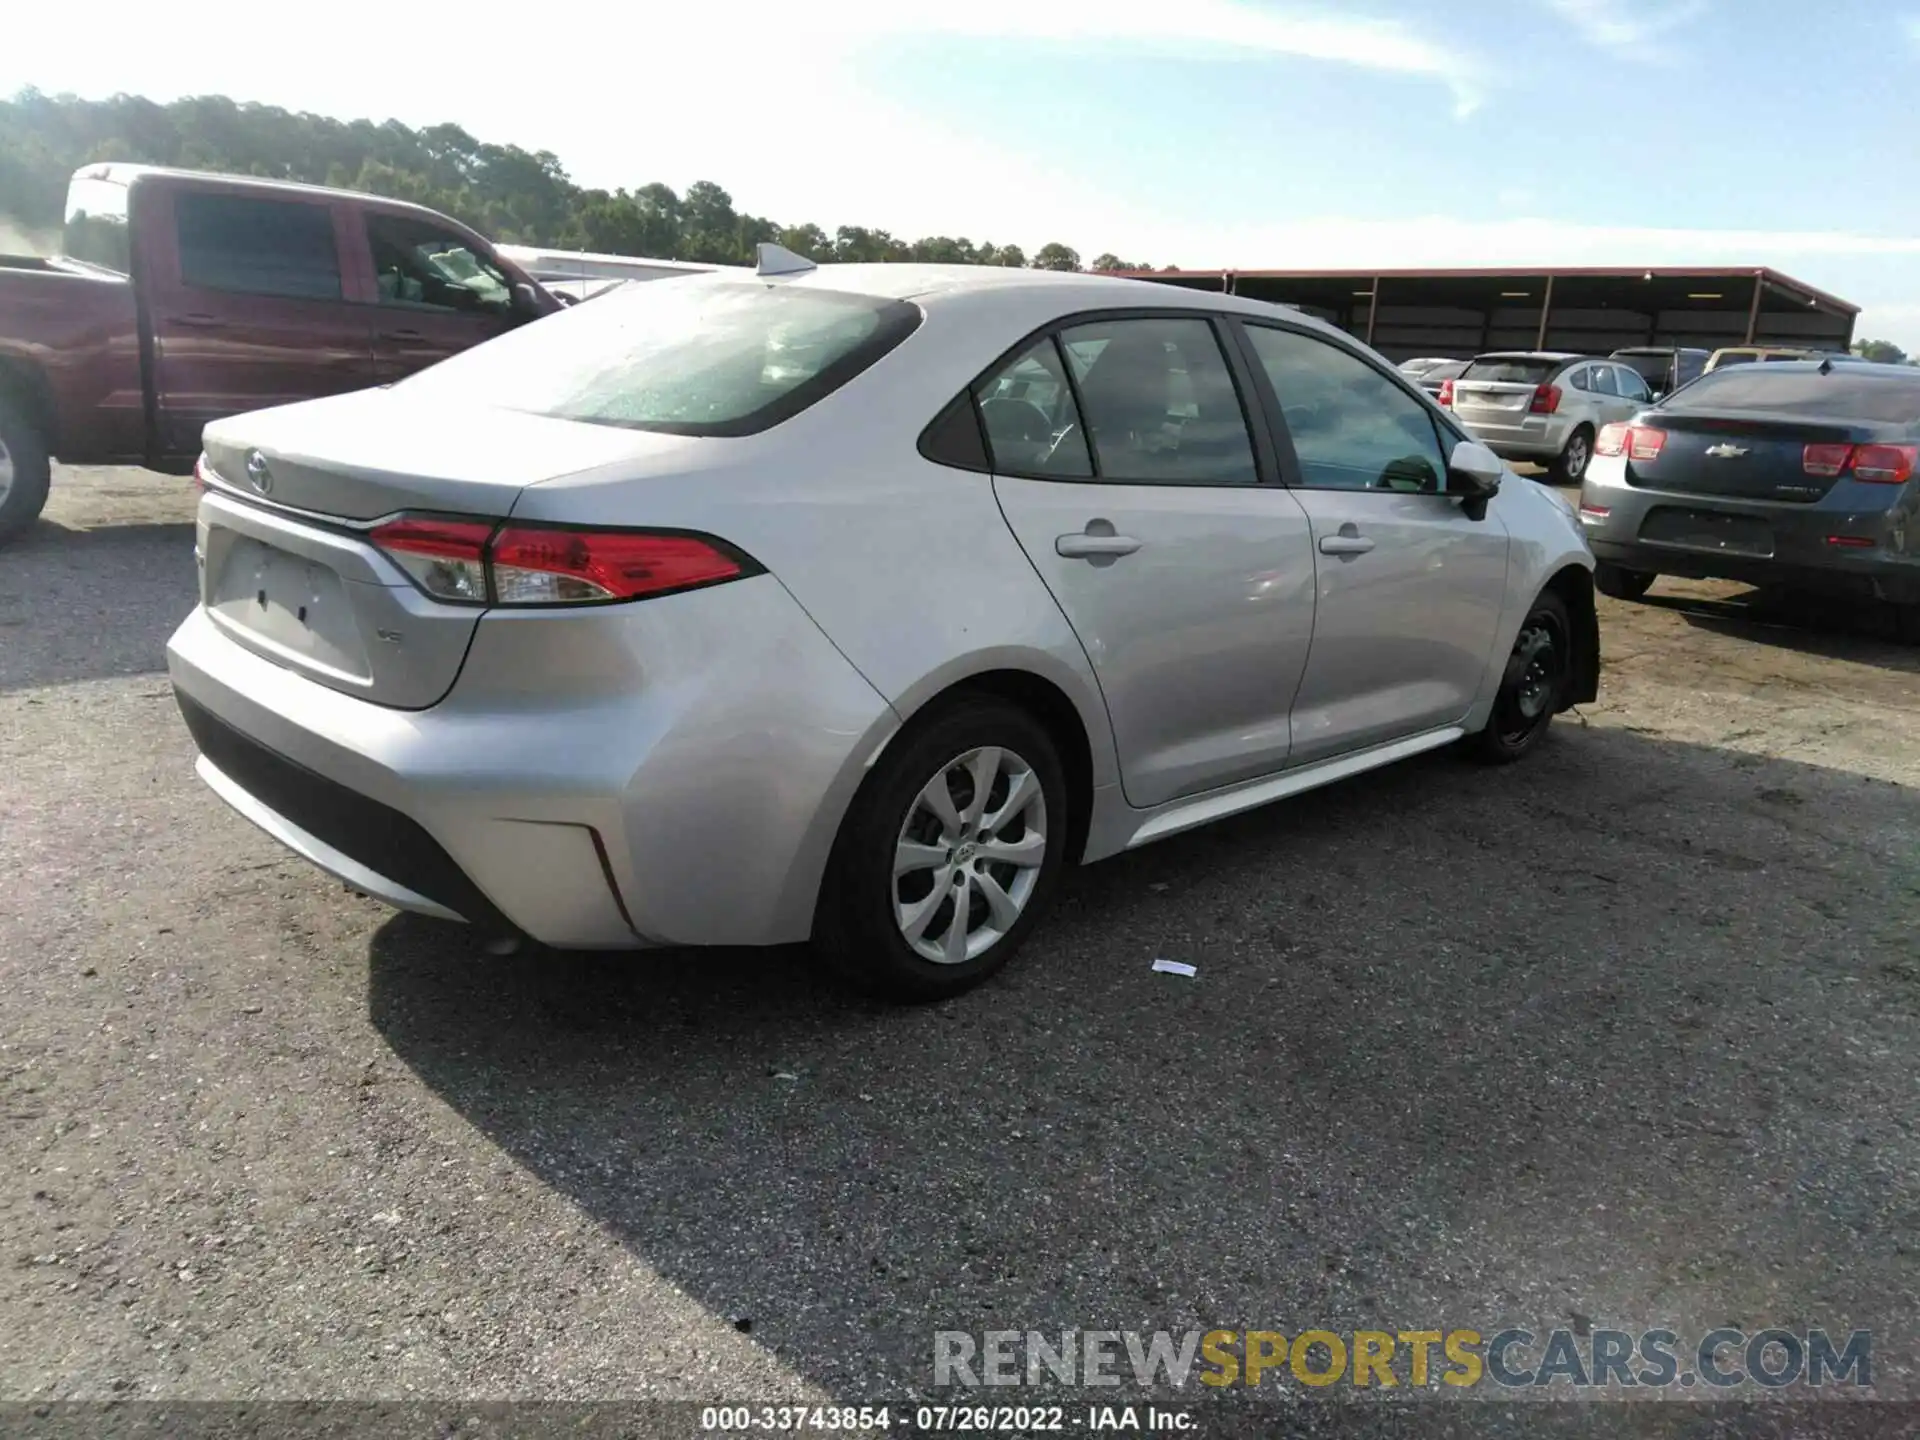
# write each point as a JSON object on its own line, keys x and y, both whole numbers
{"x": 852, "y": 604}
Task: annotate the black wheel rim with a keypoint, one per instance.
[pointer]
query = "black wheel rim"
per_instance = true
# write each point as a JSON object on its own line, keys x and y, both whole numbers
{"x": 1535, "y": 672}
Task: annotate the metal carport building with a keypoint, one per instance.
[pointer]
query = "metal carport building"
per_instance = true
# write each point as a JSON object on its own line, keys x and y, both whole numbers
{"x": 1404, "y": 313}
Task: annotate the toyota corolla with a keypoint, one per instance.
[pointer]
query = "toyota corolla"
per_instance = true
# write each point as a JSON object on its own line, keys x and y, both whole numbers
{"x": 852, "y": 603}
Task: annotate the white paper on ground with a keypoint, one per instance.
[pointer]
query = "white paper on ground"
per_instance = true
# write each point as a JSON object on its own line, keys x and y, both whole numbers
{"x": 1174, "y": 967}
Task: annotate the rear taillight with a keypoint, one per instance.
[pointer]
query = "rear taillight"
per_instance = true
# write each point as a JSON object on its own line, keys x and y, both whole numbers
{"x": 1446, "y": 392}
{"x": 1825, "y": 461}
{"x": 1885, "y": 464}
{"x": 446, "y": 558}
{"x": 540, "y": 566}
{"x": 478, "y": 562}
{"x": 1644, "y": 442}
{"x": 1612, "y": 439}
{"x": 1546, "y": 399}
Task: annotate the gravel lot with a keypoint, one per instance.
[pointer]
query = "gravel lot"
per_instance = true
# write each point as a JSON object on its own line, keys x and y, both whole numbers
{"x": 1625, "y": 1034}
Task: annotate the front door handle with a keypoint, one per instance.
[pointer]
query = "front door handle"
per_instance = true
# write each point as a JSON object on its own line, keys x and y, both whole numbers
{"x": 406, "y": 337}
{"x": 1345, "y": 544}
{"x": 200, "y": 321}
{"x": 1082, "y": 546}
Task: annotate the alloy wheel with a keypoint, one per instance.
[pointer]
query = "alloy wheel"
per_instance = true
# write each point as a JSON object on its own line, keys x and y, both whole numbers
{"x": 1577, "y": 456}
{"x": 6, "y": 471}
{"x": 969, "y": 855}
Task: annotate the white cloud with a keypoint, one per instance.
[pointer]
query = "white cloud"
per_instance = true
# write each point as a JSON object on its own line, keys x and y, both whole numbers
{"x": 1621, "y": 25}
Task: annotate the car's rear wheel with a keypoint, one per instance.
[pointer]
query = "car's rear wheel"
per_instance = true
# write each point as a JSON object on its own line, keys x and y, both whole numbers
{"x": 948, "y": 854}
{"x": 25, "y": 471}
{"x": 1574, "y": 457}
{"x": 1538, "y": 670}
{"x": 1620, "y": 583}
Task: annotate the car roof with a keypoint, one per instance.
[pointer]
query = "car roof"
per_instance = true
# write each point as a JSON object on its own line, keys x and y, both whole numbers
{"x": 1054, "y": 293}
{"x": 1852, "y": 366}
{"x": 1559, "y": 355}
{"x": 120, "y": 172}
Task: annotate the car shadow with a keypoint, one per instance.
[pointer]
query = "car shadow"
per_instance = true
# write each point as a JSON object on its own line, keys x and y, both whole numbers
{"x": 90, "y": 604}
{"x": 1808, "y": 624}
{"x": 1468, "y": 1046}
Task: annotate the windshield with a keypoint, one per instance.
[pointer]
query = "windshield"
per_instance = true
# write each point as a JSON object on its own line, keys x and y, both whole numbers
{"x": 688, "y": 357}
{"x": 1519, "y": 369}
{"x": 1845, "y": 394}
{"x": 96, "y": 228}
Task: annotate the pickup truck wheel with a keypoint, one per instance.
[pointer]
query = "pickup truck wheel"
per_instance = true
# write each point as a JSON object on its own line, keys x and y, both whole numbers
{"x": 24, "y": 471}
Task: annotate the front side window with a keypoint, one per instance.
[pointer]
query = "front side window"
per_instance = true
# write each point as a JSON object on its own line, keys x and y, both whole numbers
{"x": 686, "y": 357}
{"x": 1352, "y": 428}
{"x": 1159, "y": 403}
{"x": 1031, "y": 423}
{"x": 419, "y": 264}
{"x": 1632, "y": 385}
{"x": 257, "y": 247}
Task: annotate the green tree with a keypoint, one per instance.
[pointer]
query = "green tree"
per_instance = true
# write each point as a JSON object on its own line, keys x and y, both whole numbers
{"x": 1883, "y": 351}
{"x": 1056, "y": 256}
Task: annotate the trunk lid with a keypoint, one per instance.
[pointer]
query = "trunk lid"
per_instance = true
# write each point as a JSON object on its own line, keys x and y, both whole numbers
{"x": 1751, "y": 457}
{"x": 287, "y": 566}
{"x": 1500, "y": 398}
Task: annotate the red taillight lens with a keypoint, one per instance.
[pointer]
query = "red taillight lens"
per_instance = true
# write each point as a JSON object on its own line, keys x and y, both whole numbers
{"x": 484, "y": 562}
{"x": 1446, "y": 392}
{"x": 1885, "y": 464}
{"x": 1612, "y": 439}
{"x": 1644, "y": 442}
{"x": 446, "y": 558}
{"x": 1825, "y": 461}
{"x": 1546, "y": 399}
{"x": 538, "y": 566}
{"x": 201, "y": 471}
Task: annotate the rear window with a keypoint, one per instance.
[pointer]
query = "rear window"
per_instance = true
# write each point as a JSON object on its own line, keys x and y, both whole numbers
{"x": 96, "y": 228}
{"x": 686, "y": 357}
{"x": 1844, "y": 394}
{"x": 1654, "y": 369}
{"x": 1518, "y": 369}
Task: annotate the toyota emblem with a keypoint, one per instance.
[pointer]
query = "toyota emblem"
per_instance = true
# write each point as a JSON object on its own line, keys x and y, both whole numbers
{"x": 258, "y": 475}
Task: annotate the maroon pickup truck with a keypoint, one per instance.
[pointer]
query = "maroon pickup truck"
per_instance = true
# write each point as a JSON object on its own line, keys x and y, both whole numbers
{"x": 183, "y": 297}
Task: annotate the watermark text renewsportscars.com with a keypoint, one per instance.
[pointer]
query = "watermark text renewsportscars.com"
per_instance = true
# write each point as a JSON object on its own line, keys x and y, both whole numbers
{"x": 1508, "y": 1359}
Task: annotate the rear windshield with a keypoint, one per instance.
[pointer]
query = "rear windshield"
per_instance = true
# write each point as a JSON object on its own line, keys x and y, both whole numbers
{"x": 1520, "y": 369}
{"x": 683, "y": 356}
{"x": 1845, "y": 394}
{"x": 1653, "y": 368}
{"x": 96, "y": 229}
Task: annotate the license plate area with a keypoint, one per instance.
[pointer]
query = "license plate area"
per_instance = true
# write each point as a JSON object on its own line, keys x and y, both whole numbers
{"x": 1713, "y": 530}
{"x": 288, "y": 604}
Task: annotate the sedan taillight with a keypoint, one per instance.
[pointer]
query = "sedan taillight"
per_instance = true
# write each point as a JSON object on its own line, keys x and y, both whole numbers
{"x": 482, "y": 562}
{"x": 1446, "y": 393}
{"x": 1612, "y": 439}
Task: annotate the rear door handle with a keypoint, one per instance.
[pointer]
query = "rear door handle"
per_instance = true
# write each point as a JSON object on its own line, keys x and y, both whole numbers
{"x": 1081, "y": 546}
{"x": 1345, "y": 544}
{"x": 200, "y": 321}
{"x": 404, "y": 336}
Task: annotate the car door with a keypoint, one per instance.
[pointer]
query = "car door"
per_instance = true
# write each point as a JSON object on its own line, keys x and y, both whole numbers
{"x": 247, "y": 309}
{"x": 1125, "y": 464}
{"x": 1409, "y": 586}
{"x": 1635, "y": 394}
{"x": 436, "y": 292}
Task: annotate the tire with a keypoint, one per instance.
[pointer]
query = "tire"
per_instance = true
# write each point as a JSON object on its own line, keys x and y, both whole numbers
{"x": 25, "y": 471}
{"x": 893, "y": 934}
{"x": 1533, "y": 687}
{"x": 1574, "y": 457}
{"x": 1620, "y": 583}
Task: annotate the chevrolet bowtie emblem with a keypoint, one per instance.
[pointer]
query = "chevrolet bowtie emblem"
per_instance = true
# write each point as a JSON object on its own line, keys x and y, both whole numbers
{"x": 1726, "y": 452}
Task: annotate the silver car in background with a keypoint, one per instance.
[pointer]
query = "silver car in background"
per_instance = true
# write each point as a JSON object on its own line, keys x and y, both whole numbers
{"x": 852, "y": 603}
{"x": 1544, "y": 406}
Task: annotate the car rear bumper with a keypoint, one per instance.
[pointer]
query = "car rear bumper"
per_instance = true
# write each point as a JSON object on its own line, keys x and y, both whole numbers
{"x": 1800, "y": 550}
{"x": 667, "y": 773}
{"x": 1537, "y": 437}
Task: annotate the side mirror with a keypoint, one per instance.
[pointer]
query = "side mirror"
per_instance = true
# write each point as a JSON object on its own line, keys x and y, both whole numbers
{"x": 1473, "y": 477}
{"x": 526, "y": 304}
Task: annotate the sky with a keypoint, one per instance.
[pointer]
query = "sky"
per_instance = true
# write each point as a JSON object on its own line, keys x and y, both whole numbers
{"x": 1202, "y": 133}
